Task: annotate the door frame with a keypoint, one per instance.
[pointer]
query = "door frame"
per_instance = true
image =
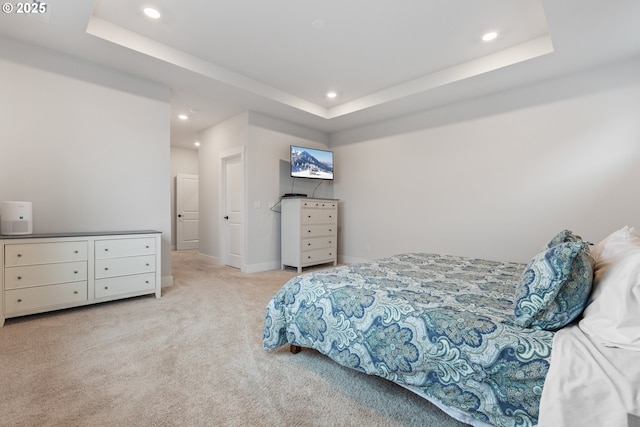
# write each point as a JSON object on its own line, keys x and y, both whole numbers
{"x": 224, "y": 157}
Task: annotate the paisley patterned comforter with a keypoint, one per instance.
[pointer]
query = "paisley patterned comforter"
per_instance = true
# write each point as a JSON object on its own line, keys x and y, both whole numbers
{"x": 439, "y": 325}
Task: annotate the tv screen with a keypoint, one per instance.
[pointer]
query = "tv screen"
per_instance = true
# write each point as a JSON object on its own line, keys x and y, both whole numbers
{"x": 311, "y": 163}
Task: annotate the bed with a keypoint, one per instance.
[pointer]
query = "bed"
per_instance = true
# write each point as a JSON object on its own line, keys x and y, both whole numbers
{"x": 473, "y": 336}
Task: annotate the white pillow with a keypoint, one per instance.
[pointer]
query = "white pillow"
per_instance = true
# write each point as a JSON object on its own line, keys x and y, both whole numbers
{"x": 612, "y": 318}
{"x": 616, "y": 245}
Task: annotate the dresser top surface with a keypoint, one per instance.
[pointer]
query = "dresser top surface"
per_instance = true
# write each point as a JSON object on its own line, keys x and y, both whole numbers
{"x": 310, "y": 199}
{"x": 76, "y": 234}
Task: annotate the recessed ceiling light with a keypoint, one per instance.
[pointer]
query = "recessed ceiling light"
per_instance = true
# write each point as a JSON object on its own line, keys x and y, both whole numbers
{"x": 151, "y": 13}
{"x": 197, "y": 143}
{"x": 490, "y": 36}
{"x": 183, "y": 116}
{"x": 331, "y": 94}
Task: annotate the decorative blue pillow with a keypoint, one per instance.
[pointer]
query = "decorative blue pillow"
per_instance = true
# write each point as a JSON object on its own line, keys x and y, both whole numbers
{"x": 554, "y": 287}
{"x": 563, "y": 237}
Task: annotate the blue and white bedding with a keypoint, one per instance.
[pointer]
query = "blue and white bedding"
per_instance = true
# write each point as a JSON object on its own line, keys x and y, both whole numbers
{"x": 441, "y": 326}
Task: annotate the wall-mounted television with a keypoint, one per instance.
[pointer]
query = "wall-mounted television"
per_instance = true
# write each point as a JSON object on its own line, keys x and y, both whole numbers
{"x": 311, "y": 163}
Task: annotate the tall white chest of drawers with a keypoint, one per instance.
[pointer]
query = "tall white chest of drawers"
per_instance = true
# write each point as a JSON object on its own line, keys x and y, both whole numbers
{"x": 309, "y": 232}
{"x": 49, "y": 272}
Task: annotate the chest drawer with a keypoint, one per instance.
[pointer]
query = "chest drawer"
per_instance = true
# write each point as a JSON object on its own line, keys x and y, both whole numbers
{"x": 113, "y": 286}
{"x": 44, "y": 253}
{"x": 318, "y": 230}
{"x": 318, "y": 243}
{"x": 44, "y": 274}
{"x": 115, "y": 248}
{"x": 318, "y": 256}
{"x": 41, "y": 297}
{"x": 318, "y": 216}
{"x": 320, "y": 204}
{"x": 124, "y": 266}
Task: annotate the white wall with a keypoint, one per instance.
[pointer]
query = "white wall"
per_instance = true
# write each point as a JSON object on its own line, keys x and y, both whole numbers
{"x": 87, "y": 145}
{"x": 228, "y": 135}
{"x": 495, "y": 177}
{"x": 264, "y": 143}
{"x": 183, "y": 160}
{"x": 268, "y": 173}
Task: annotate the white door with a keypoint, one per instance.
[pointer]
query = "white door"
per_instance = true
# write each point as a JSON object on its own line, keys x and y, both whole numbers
{"x": 233, "y": 208}
{"x": 187, "y": 234}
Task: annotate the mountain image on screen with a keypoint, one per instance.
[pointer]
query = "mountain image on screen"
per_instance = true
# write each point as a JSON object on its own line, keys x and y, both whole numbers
{"x": 305, "y": 165}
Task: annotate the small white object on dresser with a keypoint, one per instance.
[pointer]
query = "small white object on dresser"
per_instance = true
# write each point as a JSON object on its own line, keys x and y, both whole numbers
{"x": 55, "y": 271}
{"x": 309, "y": 232}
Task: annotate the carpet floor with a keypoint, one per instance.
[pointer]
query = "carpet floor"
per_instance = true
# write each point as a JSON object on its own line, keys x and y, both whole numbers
{"x": 191, "y": 358}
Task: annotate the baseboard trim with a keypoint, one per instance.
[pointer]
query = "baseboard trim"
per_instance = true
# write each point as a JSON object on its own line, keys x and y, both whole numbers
{"x": 264, "y": 266}
{"x": 351, "y": 260}
{"x": 166, "y": 281}
{"x": 208, "y": 259}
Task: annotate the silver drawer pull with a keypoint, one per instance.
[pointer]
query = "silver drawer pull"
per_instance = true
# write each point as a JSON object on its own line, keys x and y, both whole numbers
{"x": 106, "y": 287}
{"x": 147, "y": 246}
{"x": 75, "y": 292}
{"x": 75, "y": 272}
{"x": 75, "y": 252}
{"x": 106, "y": 268}
{"x": 147, "y": 264}
{"x": 146, "y": 281}
{"x": 106, "y": 249}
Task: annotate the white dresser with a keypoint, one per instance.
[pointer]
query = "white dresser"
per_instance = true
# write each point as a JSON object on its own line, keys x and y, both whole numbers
{"x": 309, "y": 232}
{"x": 54, "y": 271}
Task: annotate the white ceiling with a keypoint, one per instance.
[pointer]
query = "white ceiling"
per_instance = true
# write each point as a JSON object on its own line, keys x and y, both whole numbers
{"x": 383, "y": 58}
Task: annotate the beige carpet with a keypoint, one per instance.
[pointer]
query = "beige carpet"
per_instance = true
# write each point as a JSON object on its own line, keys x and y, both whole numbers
{"x": 192, "y": 358}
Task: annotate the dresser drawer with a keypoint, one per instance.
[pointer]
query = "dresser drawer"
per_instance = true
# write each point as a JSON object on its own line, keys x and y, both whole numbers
{"x": 318, "y": 230}
{"x": 318, "y": 256}
{"x": 319, "y": 204}
{"x": 115, "y": 248}
{"x": 125, "y": 284}
{"x": 123, "y": 266}
{"x": 318, "y": 216}
{"x": 44, "y": 253}
{"x": 44, "y": 274}
{"x": 318, "y": 243}
{"x": 44, "y": 297}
